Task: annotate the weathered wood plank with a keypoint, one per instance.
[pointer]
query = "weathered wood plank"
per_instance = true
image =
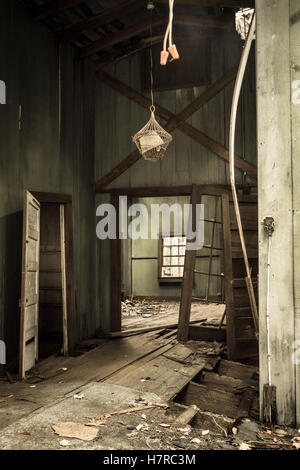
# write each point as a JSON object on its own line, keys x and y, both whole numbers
{"x": 276, "y": 200}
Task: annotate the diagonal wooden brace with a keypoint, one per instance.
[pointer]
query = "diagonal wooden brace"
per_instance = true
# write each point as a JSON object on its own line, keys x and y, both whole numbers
{"x": 173, "y": 122}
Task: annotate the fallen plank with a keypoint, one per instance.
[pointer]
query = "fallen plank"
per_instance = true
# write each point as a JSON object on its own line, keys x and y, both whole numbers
{"x": 179, "y": 353}
{"x": 237, "y": 370}
{"x": 123, "y": 334}
{"x": 161, "y": 376}
{"x": 209, "y": 399}
{"x": 222, "y": 382}
{"x": 206, "y": 333}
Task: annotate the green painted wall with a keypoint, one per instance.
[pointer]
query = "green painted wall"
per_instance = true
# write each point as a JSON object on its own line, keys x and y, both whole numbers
{"x": 33, "y": 156}
{"x": 140, "y": 270}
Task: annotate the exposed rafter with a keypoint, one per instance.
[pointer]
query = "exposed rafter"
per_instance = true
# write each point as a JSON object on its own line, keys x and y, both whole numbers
{"x": 214, "y": 3}
{"x": 106, "y": 16}
{"x": 124, "y": 52}
{"x": 120, "y": 36}
{"x": 52, "y": 8}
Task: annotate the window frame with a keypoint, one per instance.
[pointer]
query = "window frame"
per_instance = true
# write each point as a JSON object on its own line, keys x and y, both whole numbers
{"x": 161, "y": 279}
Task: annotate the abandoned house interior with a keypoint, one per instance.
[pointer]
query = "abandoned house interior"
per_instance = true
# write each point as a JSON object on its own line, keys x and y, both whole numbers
{"x": 117, "y": 339}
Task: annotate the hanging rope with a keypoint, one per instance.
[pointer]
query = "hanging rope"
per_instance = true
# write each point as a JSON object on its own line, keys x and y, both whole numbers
{"x": 235, "y": 102}
{"x": 172, "y": 49}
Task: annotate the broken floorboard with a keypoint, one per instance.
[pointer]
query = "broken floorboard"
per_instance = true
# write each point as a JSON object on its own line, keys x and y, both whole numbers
{"x": 50, "y": 382}
{"x": 162, "y": 376}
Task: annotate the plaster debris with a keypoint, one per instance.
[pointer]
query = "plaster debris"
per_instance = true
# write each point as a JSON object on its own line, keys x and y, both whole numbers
{"x": 65, "y": 443}
{"x": 79, "y": 397}
{"x": 196, "y": 441}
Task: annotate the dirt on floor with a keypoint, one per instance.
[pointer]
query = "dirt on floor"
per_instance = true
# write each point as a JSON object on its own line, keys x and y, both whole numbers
{"x": 129, "y": 393}
{"x": 144, "y": 313}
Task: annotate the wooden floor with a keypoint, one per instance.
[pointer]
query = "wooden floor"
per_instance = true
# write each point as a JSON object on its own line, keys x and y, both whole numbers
{"x": 149, "y": 362}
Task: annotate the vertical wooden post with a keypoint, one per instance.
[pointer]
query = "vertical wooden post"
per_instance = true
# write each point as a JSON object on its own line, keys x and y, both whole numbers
{"x": 70, "y": 283}
{"x": 295, "y": 114}
{"x": 230, "y": 324}
{"x": 188, "y": 280}
{"x": 63, "y": 279}
{"x": 115, "y": 273}
{"x": 275, "y": 191}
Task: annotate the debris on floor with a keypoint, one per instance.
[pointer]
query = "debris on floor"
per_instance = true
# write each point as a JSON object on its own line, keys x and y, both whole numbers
{"x": 75, "y": 430}
{"x": 144, "y": 313}
{"x": 155, "y": 394}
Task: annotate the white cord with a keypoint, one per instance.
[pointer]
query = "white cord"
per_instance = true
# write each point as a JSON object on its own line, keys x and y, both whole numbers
{"x": 268, "y": 312}
{"x": 169, "y": 30}
{"x": 171, "y": 22}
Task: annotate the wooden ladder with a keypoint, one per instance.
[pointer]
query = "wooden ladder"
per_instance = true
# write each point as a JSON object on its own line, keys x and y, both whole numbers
{"x": 240, "y": 332}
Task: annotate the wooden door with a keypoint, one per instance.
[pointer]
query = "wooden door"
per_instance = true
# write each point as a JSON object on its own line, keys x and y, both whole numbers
{"x": 30, "y": 284}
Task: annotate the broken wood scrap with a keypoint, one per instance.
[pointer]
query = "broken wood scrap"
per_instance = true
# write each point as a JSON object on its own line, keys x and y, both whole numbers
{"x": 122, "y": 334}
{"x": 106, "y": 416}
{"x": 187, "y": 415}
{"x": 259, "y": 445}
{"x": 179, "y": 353}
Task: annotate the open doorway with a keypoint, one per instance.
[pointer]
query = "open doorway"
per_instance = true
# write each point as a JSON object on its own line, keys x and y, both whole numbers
{"x": 47, "y": 299}
{"x": 53, "y": 337}
{"x": 152, "y": 270}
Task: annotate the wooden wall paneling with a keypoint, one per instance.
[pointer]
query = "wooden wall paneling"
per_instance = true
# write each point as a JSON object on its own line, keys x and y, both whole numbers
{"x": 115, "y": 275}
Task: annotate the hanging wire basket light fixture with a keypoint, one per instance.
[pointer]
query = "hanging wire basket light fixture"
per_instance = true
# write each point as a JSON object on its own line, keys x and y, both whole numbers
{"x": 152, "y": 140}
{"x": 243, "y": 20}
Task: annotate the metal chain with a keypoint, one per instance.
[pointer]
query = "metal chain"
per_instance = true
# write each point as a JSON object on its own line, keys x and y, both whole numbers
{"x": 152, "y": 107}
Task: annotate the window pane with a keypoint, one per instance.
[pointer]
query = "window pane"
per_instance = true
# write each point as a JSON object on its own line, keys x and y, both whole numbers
{"x": 166, "y": 272}
{"x": 174, "y": 250}
{"x": 175, "y": 272}
{"x": 167, "y": 261}
{"x": 182, "y": 241}
{"x": 180, "y": 272}
{"x": 175, "y": 261}
{"x": 182, "y": 250}
{"x": 181, "y": 261}
{"x": 167, "y": 251}
{"x": 167, "y": 241}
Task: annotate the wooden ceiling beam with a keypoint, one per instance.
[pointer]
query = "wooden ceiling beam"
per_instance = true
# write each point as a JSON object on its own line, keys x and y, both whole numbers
{"x": 52, "y": 8}
{"x": 120, "y": 36}
{"x": 173, "y": 122}
{"x": 214, "y": 3}
{"x": 105, "y": 17}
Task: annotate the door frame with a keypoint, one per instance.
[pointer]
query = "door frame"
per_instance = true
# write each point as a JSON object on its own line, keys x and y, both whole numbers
{"x": 66, "y": 201}
{"x": 116, "y": 245}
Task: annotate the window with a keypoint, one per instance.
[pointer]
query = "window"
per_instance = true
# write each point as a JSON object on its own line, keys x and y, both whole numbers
{"x": 171, "y": 258}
